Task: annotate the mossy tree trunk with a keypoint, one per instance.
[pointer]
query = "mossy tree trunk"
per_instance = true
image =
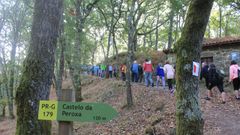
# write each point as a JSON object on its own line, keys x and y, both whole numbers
{"x": 82, "y": 12}
{"x": 130, "y": 52}
{"x": 170, "y": 31}
{"x": 157, "y": 29}
{"x": 188, "y": 113}
{"x": 11, "y": 80}
{"x": 38, "y": 68}
{"x": 12, "y": 71}
{"x": 61, "y": 58}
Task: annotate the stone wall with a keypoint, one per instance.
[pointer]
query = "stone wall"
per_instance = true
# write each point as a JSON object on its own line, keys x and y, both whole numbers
{"x": 222, "y": 56}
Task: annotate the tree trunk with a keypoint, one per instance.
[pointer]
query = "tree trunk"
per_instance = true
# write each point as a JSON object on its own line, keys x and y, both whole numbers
{"x": 188, "y": 114}
{"x": 134, "y": 42}
{"x": 102, "y": 45}
{"x": 109, "y": 44}
{"x": 77, "y": 54}
{"x": 170, "y": 31}
{"x": 5, "y": 77}
{"x": 110, "y": 40}
{"x": 93, "y": 52}
{"x": 144, "y": 41}
{"x": 156, "y": 33}
{"x": 209, "y": 30}
{"x": 150, "y": 40}
{"x": 38, "y": 68}
{"x": 60, "y": 70}
{"x": 61, "y": 67}
{"x": 226, "y": 26}
{"x": 115, "y": 44}
{"x": 176, "y": 31}
{"x": 220, "y": 20}
{"x": 131, "y": 32}
{"x": 11, "y": 80}
{"x": 81, "y": 15}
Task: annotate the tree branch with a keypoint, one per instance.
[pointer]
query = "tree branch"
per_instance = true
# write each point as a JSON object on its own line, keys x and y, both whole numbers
{"x": 150, "y": 31}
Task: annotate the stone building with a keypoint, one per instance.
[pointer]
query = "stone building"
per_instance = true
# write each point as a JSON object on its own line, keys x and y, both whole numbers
{"x": 220, "y": 51}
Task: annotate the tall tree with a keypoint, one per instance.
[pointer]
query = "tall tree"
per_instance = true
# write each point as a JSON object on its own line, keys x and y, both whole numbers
{"x": 60, "y": 67}
{"x": 38, "y": 68}
{"x": 170, "y": 31}
{"x": 157, "y": 29}
{"x": 220, "y": 6}
{"x": 188, "y": 113}
{"x": 115, "y": 15}
{"x": 130, "y": 52}
{"x": 17, "y": 18}
{"x": 2, "y": 16}
{"x": 83, "y": 10}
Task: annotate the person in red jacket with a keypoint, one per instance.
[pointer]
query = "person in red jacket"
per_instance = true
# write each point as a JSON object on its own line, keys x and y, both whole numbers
{"x": 148, "y": 69}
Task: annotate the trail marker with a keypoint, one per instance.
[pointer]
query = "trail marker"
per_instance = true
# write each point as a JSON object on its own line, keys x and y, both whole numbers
{"x": 196, "y": 69}
{"x": 75, "y": 111}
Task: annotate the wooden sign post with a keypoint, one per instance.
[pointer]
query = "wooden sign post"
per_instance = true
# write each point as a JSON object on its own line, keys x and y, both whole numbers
{"x": 66, "y": 127}
{"x": 66, "y": 112}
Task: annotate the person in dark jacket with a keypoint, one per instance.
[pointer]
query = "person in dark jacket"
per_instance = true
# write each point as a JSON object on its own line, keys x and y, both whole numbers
{"x": 204, "y": 73}
{"x": 140, "y": 73}
{"x": 214, "y": 80}
{"x": 134, "y": 70}
{"x": 115, "y": 71}
{"x": 160, "y": 75}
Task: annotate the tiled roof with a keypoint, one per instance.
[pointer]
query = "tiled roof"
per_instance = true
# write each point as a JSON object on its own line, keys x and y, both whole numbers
{"x": 220, "y": 41}
{"x": 214, "y": 42}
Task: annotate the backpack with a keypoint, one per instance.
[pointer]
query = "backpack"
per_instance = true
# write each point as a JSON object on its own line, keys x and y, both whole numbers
{"x": 221, "y": 74}
{"x": 213, "y": 76}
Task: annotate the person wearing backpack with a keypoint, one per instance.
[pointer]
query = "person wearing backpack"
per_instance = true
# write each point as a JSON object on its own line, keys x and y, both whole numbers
{"x": 115, "y": 71}
{"x": 140, "y": 72}
{"x": 215, "y": 80}
{"x": 234, "y": 78}
{"x": 123, "y": 70}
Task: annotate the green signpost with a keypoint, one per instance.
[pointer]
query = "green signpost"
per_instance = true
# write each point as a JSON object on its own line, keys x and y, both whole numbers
{"x": 75, "y": 111}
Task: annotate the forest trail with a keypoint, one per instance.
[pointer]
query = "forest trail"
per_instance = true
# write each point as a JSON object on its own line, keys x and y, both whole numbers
{"x": 156, "y": 111}
{"x": 223, "y": 119}
{"x": 153, "y": 111}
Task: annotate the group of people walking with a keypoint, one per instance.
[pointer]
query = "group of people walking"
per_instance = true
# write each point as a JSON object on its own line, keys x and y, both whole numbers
{"x": 148, "y": 71}
{"x": 215, "y": 78}
{"x": 138, "y": 72}
{"x": 105, "y": 71}
{"x": 166, "y": 73}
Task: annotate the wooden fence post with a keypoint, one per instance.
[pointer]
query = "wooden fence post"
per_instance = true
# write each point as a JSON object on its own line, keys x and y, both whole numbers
{"x": 65, "y": 127}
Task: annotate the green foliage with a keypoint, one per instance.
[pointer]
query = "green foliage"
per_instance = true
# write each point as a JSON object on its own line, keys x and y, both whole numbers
{"x": 3, "y": 102}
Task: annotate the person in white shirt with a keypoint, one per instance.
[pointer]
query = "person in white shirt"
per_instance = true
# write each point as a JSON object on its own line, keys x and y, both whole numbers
{"x": 169, "y": 71}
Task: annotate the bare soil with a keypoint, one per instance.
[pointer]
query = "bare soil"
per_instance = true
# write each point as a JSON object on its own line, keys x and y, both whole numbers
{"x": 153, "y": 111}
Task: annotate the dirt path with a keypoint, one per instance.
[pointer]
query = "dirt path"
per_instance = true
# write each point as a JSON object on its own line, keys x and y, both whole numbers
{"x": 149, "y": 107}
{"x": 222, "y": 119}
